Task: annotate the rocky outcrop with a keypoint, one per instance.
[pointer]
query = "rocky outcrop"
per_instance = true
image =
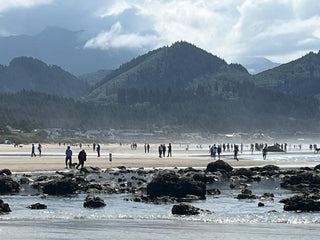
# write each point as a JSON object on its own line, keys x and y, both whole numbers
{"x": 8, "y": 186}
{"x": 246, "y": 194}
{"x": 219, "y": 166}
{"x": 168, "y": 183}
{"x": 62, "y": 186}
{"x": 300, "y": 203}
{"x": 93, "y": 202}
{"x": 4, "y": 207}
{"x": 37, "y": 206}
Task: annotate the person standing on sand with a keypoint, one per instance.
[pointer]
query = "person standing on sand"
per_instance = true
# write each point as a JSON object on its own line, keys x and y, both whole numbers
{"x": 236, "y": 150}
{"x": 68, "y": 157}
{"x": 160, "y": 150}
{"x": 169, "y": 150}
{"x": 82, "y": 157}
{"x": 148, "y": 147}
{"x": 219, "y": 151}
{"x": 39, "y": 149}
{"x": 98, "y": 150}
{"x": 32, "y": 151}
{"x": 264, "y": 153}
{"x": 164, "y": 150}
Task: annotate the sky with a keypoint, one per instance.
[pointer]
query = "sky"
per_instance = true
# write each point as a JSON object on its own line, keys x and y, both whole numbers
{"x": 280, "y": 30}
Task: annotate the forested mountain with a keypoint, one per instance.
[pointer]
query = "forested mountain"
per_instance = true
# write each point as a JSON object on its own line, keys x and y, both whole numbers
{"x": 300, "y": 77}
{"x": 94, "y": 77}
{"x": 32, "y": 74}
{"x": 180, "y": 66}
{"x": 180, "y": 88}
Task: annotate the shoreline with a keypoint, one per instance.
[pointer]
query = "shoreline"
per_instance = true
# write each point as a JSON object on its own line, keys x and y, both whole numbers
{"x": 18, "y": 160}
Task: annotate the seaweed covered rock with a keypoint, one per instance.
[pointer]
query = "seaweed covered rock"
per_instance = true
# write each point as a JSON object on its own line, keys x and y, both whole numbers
{"x": 242, "y": 172}
{"x": 168, "y": 183}
{"x": 4, "y": 207}
{"x": 5, "y": 172}
{"x": 8, "y": 185}
{"x": 62, "y": 186}
{"x": 185, "y": 209}
{"x": 300, "y": 203}
{"x": 219, "y": 166}
{"x": 93, "y": 202}
{"x": 301, "y": 181}
{"x": 37, "y": 206}
{"x": 246, "y": 194}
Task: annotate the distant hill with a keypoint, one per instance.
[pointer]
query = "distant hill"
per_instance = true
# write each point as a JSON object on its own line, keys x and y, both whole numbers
{"x": 300, "y": 77}
{"x": 180, "y": 66}
{"x": 65, "y": 48}
{"x": 94, "y": 77}
{"x": 32, "y": 74}
{"x": 256, "y": 65}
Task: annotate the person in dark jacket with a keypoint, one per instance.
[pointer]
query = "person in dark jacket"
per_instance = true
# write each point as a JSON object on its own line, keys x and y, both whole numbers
{"x": 82, "y": 157}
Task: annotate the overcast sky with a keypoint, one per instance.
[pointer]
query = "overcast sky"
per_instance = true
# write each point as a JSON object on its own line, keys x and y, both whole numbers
{"x": 281, "y": 30}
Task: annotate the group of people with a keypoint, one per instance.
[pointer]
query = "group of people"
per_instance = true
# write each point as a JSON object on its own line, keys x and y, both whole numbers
{"x": 162, "y": 149}
{"x": 82, "y": 157}
{"x": 33, "y": 154}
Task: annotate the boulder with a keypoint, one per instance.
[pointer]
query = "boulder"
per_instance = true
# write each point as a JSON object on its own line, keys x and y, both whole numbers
{"x": 242, "y": 172}
{"x": 62, "y": 186}
{"x": 185, "y": 209}
{"x": 219, "y": 166}
{"x": 8, "y": 186}
{"x": 37, "y": 206}
{"x": 274, "y": 148}
{"x": 246, "y": 194}
{"x": 168, "y": 183}
{"x": 300, "y": 203}
{"x": 93, "y": 202}
{"x": 5, "y": 172}
{"x": 4, "y": 207}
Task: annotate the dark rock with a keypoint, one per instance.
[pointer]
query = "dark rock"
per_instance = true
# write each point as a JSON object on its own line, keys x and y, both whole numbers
{"x": 300, "y": 203}
{"x": 62, "y": 186}
{"x": 185, "y": 209}
{"x": 189, "y": 169}
{"x": 168, "y": 183}
{"x": 37, "y": 206}
{"x": 7, "y": 185}
{"x": 301, "y": 182}
{"x": 246, "y": 194}
{"x": 316, "y": 167}
{"x": 5, "y": 172}
{"x": 274, "y": 148}
{"x": 93, "y": 202}
{"x": 41, "y": 178}
{"x": 270, "y": 168}
{"x": 24, "y": 180}
{"x": 213, "y": 191}
{"x": 220, "y": 166}
{"x": 4, "y": 207}
{"x": 242, "y": 172}
{"x": 260, "y": 204}
{"x": 202, "y": 177}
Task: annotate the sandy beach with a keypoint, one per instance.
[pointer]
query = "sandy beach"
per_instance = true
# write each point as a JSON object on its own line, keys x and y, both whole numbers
{"x": 18, "y": 159}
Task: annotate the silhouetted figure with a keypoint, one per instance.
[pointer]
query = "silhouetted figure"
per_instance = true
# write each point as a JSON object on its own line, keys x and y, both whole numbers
{"x": 264, "y": 153}
{"x": 236, "y": 150}
{"x": 169, "y": 150}
{"x": 68, "y": 157}
{"x": 164, "y": 149}
{"x": 98, "y": 150}
{"x": 39, "y": 149}
{"x": 94, "y": 146}
{"x": 32, "y": 151}
{"x": 145, "y": 148}
{"x": 160, "y": 150}
{"x": 148, "y": 147}
{"x": 82, "y": 157}
{"x": 219, "y": 151}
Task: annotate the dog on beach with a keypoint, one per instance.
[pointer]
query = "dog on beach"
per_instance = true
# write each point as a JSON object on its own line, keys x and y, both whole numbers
{"x": 317, "y": 150}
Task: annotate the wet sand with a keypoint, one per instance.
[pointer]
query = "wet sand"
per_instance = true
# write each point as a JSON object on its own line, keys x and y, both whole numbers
{"x": 18, "y": 159}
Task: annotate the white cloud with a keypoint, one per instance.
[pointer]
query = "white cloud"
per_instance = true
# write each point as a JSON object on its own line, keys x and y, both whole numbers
{"x": 115, "y": 9}
{"x": 115, "y": 38}
{"x": 10, "y": 4}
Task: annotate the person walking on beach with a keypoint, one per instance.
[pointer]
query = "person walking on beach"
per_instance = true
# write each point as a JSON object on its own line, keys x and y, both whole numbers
{"x": 82, "y": 157}
{"x": 39, "y": 149}
{"x": 148, "y": 147}
{"x": 68, "y": 157}
{"x": 169, "y": 150}
{"x": 219, "y": 151}
{"x": 33, "y": 154}
{"x": 98, "y": 150}
{"x": 164, "y": 150}
{"x": 236, "y": 150}
{"x": 264, "y": 153}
